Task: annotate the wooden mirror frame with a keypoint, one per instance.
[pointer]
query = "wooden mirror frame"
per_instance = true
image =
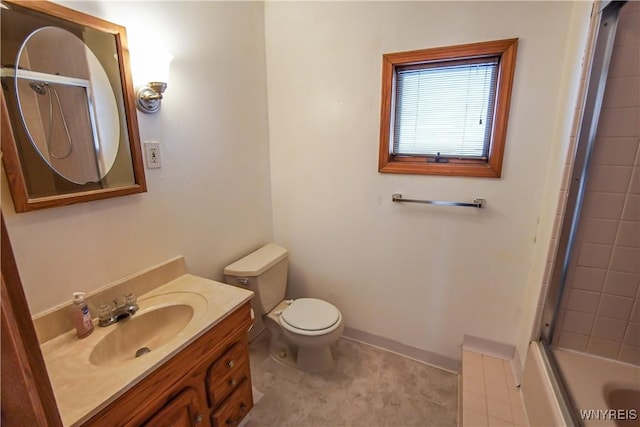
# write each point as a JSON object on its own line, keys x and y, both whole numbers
{"x": 22, "y": 201}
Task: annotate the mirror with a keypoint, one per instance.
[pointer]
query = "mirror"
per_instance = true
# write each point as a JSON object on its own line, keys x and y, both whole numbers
{"x": 69, "y": 126}
{"x": 71, "y": 142}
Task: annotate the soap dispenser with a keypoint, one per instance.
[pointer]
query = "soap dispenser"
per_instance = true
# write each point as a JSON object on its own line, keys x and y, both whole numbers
{"x": 81, "y": 315}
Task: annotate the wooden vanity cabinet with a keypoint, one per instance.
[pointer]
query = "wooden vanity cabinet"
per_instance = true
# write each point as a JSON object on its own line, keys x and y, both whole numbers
{"x": 208, "y": 383}
{"x": 182, "y": 411}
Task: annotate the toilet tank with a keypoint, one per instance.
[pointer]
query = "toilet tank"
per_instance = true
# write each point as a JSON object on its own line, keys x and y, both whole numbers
{"x": 265, "y": 273}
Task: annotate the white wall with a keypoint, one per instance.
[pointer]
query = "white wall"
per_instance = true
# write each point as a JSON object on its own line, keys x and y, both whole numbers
{"x": 419, "y": 275}
{"x": 211, "y": 199}
{"x": 579, "y": 43}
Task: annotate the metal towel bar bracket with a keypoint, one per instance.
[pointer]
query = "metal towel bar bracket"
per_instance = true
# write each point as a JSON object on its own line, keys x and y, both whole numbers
{"x": 477, "y": 203}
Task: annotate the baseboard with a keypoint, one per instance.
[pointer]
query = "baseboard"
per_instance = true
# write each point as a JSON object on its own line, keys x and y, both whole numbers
{"x": 495, "y": 349}
{"x": 429, "y": 358}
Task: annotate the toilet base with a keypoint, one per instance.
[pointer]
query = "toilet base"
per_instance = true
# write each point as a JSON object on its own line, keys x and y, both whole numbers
{"x": 282, "y": 352}
{"x": 315, "y": 358}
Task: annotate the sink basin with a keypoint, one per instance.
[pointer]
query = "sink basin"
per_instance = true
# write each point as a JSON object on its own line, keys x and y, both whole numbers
{"x": 140, "y": 333}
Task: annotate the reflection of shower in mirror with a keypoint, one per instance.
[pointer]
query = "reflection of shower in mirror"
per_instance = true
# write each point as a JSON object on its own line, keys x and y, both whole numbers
{"x": 44, "y": 88}
{"x": 39, "y": 87}
{"x": 73, "y": 120}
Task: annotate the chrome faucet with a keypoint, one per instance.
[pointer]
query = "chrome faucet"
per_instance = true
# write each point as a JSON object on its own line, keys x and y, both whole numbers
{"x": 108, "y": 315}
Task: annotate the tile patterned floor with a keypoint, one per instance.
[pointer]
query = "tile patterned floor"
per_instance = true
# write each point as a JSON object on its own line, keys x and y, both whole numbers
{"x": 490, "y": 396}
{"x": 370, "y": 387}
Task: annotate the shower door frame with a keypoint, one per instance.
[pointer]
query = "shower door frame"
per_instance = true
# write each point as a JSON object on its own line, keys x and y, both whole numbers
{"x": 587, "y": 129}
{"x": 607, "y": 23}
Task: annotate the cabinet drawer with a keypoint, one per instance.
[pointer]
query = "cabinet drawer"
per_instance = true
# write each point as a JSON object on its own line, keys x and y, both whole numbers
{"x": 181, "y": 411}
{"x": 235, "y": 407}
{"x": 226, "y": 373}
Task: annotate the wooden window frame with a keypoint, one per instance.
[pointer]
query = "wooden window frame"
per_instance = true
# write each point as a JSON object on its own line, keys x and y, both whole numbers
{"x": 490, "y": 168}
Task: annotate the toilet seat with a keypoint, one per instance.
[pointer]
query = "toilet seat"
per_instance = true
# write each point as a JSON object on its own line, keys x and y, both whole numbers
{"x": 310, "y": 316}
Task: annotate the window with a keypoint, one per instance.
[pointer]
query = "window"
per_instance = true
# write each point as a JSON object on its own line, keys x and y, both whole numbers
{"x": 444, "y": 110}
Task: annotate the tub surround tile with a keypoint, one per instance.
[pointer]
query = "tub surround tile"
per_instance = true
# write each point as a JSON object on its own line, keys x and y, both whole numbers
{"x": 631, "y": 210}
{"x": 604, "y": 205}
{"x": 629, "y": 234}
{"x": 619, "y": 122}
{"x": 609, "y": 179}
{"x": 616, "y": 151}
{"x": 608, "y": 328}
{"x": 625, "y": 63}
{"x": 625, "y": 259}
{"x": 634, "y": 186}
{"x": 594, "y": 255}
{"x": 577, "y": 342}
{"x": 583, "y": 301}
{"x": 630, "y": 354}
{"x": 579, "y": 323}
{"x": 604, "y": 348}
{"x": 621, "y": 283}
{"x": 590, "y": 279}
{"x": 615, "y": 306}
{"x": 596, "y": 230}
{"x": 635, "y": 312}
{"x": 632, "y": 335}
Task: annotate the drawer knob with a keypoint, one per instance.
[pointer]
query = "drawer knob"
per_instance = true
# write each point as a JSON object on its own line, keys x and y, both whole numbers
{"x": 231, "y": 422}
{"x": 197, "y": 419}
{"x": 232, "y": 382}
{"x": 231, "y": 363}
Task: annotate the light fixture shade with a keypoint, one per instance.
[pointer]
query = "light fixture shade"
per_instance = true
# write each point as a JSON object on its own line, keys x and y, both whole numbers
{"x": 150, "y": 65}
{"x": 151, "y": 74}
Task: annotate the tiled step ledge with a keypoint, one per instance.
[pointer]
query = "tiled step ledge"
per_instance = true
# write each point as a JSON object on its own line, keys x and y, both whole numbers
{"x": 490, "y": 396}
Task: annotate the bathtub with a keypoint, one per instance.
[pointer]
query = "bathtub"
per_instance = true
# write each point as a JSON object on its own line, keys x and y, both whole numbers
{"x": 606, "y": 393}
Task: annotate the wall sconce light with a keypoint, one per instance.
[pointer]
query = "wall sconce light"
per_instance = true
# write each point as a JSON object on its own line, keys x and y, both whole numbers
{"x": 153, "y": 69}
{"x": 148, "y": 97}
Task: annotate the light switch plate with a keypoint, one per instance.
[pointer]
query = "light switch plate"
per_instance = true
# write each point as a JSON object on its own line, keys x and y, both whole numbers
{"x": 152, "y": 154}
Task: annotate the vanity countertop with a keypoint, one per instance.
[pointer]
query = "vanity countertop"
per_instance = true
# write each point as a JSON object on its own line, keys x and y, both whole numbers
{"x": 83, "y": 389}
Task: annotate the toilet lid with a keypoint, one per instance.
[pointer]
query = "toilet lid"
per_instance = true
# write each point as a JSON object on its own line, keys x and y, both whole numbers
{"x": 310, "y": 314}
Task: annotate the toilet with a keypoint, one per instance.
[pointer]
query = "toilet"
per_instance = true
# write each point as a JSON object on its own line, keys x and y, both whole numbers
{"x": 302, "y": 330}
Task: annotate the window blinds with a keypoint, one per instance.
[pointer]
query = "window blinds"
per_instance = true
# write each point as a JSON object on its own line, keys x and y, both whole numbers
{"x": 446, "y": 109}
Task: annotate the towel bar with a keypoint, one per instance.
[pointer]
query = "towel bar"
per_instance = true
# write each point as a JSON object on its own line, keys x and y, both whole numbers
{"x": 477, "y": 203}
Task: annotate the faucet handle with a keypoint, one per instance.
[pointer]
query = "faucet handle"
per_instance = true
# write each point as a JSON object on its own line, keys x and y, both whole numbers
{"x": 105, "y": 315}
{"x": 104, "y": 312}
{"x": 130, "y": 298}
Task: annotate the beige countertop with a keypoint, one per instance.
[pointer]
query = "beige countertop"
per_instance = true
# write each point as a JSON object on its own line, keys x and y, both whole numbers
{"x": 82, "y": 389}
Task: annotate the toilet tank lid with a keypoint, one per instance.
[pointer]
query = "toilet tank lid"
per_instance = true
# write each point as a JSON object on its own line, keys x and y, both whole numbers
{"x": 257, "y": 262}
